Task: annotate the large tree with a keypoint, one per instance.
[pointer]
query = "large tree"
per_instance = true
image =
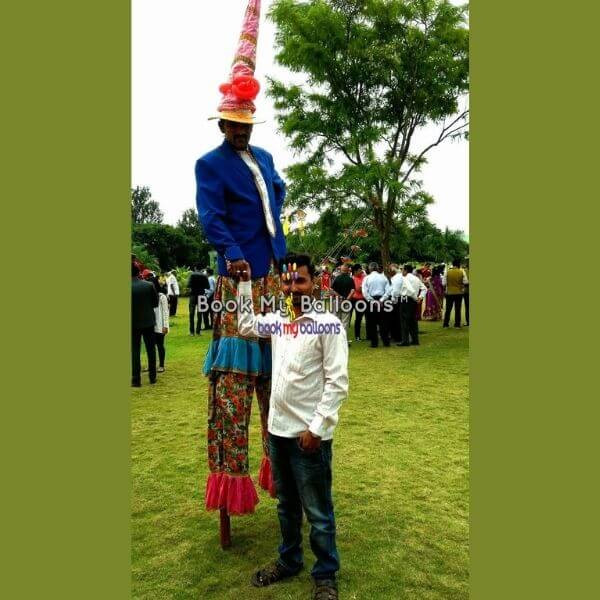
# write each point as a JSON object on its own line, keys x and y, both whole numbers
{"x": 375, "y": 73}
{"x": 170, "y": 245}
{"x": 143, "y": 208}
{"x": 189, "y": 224}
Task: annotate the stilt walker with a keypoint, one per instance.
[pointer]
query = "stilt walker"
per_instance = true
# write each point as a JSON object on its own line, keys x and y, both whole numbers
{"x": 239, "y": 200}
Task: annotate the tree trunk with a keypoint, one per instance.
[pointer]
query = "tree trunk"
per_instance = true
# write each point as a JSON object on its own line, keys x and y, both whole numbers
{"x": 385, "y": 245}
{"x": 385, "y": 253}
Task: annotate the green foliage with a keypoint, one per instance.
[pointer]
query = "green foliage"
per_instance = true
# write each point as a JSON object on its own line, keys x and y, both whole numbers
{"x": 190, "y": 225}
{"x": 417, "y": 242}
{"x": 149, "y": 261}
{"x": 182, "y": 274}
{"x": 170, "y": 245}
{"x": 375, "y": 72}
{"x": 143, "y": 208}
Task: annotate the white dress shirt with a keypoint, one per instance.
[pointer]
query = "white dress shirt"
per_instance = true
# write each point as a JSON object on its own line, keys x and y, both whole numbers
{"x": 212, "y": 283}
{"x": 262, "y": 189}
{"x": 396, "y": 285}
{"x": 376, "y": 284}
{"x": 409, "y": 286}
{"x": 309, "y": 378}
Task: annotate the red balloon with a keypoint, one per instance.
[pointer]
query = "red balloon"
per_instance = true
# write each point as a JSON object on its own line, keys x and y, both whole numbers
{"x": 245, "y": 87}
{"x": 225, "y": 88}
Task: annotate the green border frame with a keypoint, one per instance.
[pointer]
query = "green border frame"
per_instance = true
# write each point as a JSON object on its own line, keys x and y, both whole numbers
{"x": 533, "y": 124}
{"x": 65, "y": 217}
{"x": 65, "y": 242}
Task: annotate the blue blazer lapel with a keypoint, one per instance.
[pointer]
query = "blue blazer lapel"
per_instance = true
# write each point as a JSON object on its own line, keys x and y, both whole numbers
{"x": 238, "y": 166}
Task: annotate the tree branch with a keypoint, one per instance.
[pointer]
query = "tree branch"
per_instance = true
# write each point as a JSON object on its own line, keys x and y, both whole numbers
{"x": 447, "y": 131}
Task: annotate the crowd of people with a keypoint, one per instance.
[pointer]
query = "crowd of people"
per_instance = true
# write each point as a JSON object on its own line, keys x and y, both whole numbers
{"x": 154, "y": 299}
{"x": 427, "y": 293}
{"x": 419, "y": 294}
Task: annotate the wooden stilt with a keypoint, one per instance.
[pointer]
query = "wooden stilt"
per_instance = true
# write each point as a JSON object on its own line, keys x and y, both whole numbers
{"x": 225, "y": 529}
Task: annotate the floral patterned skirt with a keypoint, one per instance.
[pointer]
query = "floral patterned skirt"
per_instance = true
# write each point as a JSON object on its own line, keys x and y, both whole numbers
{"x": 236, "y": 366}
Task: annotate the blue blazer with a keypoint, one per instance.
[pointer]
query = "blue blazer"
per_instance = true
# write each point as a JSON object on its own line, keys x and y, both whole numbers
{"x": 230, "y": 208}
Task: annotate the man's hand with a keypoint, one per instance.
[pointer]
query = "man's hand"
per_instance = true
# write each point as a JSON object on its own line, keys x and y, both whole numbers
{"x": 309, "y": 442}
{"x": 165, "y": 330}
{"x": 239, "y": 269}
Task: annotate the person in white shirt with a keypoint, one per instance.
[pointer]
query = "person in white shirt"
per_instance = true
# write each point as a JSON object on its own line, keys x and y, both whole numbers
{"x": 161, "y": 324}
{"x": 172, "y": 292}
{"x": 376, "y": 289}
{"x": 210, "y": 292}
{"x": 309, "y": 383}
{"x": 395, "y": 326}
{"x": 409, "y": 291}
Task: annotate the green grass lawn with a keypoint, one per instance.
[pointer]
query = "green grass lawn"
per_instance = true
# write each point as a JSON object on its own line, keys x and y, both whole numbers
{"x": 401, "y": 482}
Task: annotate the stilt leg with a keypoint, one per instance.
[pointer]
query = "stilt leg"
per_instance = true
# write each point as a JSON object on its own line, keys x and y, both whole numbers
{"x": 225, "y": 529}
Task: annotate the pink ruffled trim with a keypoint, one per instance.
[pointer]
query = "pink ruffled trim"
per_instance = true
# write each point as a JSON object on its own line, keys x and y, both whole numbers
{"x": 234, "y": 493}
{"x": 265, "y": 477}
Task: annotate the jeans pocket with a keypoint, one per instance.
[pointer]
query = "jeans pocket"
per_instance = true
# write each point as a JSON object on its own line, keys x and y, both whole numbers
{"x": 306, "y": 452}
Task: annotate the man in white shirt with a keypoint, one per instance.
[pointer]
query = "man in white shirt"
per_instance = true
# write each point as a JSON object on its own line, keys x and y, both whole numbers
{"x": 394, "y": 316}
{"x": 172, "y": 292}
{"x": 309, "y": 383}
{"x": 210, "y": 292}
{"x": 376, "y": 289}
{"x": 409, "y": 292}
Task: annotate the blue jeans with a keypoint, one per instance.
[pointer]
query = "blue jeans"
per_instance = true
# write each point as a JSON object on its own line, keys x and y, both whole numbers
{"x": 303, "y": 481}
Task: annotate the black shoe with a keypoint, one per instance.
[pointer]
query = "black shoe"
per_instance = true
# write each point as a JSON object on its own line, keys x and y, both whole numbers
{"x": 373, "y": 345}
{"x": 445, "y": 325}
{"x": 270, "y": 574}
{"x": 136, "y": 384}
{"x": 386, "y": 344}
{"x": 402, "y": 345}
{"x": 325, "y": 589}
{"x": 414, "y": 344}
{"x": 153, "y": 381}
{"x": 457, "y": 327}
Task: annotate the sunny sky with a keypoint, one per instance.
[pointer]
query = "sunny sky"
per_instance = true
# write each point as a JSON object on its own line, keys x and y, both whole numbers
{"x": 181, "y": 52}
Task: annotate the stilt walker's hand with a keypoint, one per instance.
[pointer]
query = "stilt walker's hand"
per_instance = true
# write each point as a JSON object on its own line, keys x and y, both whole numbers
{"x": 234, "y": 268}
{"x": 243, "y": 270}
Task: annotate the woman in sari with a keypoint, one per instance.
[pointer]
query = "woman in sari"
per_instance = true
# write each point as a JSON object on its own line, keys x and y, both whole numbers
{"x": 435, "y": 296}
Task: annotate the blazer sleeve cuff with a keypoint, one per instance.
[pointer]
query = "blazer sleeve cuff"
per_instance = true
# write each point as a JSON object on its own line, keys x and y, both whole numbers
{"x": 234, "y": 253}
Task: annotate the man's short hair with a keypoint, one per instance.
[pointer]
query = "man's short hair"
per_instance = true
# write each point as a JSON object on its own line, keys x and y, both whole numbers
{"x": 209, "y": 271}
{"x": 373, "y": 266}
{"x": 135, "y": 270}
{"x": 301, "y": 260}
{"x": 456, "y": 262}
{"x": 408, "y": 268}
